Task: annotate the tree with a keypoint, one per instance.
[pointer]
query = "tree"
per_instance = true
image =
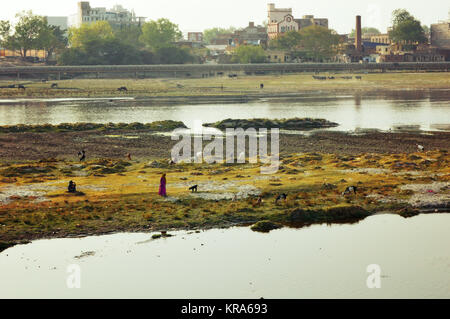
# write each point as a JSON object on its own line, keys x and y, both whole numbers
{"x": 315, "y": 42}
{"x": 6, "y": 39}
{"x": 213, "y": 33}
{"x": 406, "y": 28}
{"x": 90, "y": 36}
{"x": 174, "y": 55}
{"x": 318, "y": 43}
{"x": 287, "y": 41}
{"x": 160, "y": 34}
{"x": 249, "y": 54}
{"x": 364, "y": 31}
{"x": 129, "y": 34}
{"x": 27, "y": 32}
{"x": 52, "y": 38}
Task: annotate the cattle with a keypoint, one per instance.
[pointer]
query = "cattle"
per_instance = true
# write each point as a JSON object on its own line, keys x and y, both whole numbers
{"x": 122, "y": 89}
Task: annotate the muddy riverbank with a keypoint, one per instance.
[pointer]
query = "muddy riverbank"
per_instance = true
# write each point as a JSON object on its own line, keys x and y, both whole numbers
{"x": 145, "y": 145}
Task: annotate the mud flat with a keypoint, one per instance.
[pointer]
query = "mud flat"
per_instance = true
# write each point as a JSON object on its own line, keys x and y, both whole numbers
{"x": 299, "y": 124}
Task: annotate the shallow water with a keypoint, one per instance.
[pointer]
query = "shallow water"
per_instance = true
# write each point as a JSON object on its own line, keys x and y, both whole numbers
{"x": 320, "y": 261}
{"x": 406, "y": 110}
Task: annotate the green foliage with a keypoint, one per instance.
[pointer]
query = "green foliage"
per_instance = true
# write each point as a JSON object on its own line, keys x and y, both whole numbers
{"x": 289, "y": 41}
{"x": 249, "y": 54}
{"x": 406, "y": 28}
{"x": 53, "y": 39}
{"x": 28, "y": 33}
{"x": 160, "y": 34}
{"x": 90, "y": 36}
{"x": 210, "y": 34}
{"x": 364, "y": 31}
{"x": 315, "y": 43}
{"x": 174, "y": 55}
{"x": 318, "y": 43}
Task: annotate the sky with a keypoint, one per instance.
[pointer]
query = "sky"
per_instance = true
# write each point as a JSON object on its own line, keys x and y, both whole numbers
{"x": 197, "y": 15}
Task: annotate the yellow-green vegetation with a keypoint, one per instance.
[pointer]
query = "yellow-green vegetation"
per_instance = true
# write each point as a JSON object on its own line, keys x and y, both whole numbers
{"x": 117, "y": 195}
{"x": 224, "y": 86}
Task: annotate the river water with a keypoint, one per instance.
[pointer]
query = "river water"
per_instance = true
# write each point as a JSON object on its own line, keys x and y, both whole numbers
{"x": 424, "y": 111}
{"x": 320, "y": 261}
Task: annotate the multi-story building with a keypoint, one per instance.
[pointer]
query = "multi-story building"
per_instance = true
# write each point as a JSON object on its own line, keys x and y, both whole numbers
{"x": 61, "y": 22}
{"x": 440, "y": 34}
{"x": 381, "y": 38}
{"x": 195, "y": 36}
{"x": 308, "y": 20}
{"x": 281, "y": 20}
{"x": 252, "y": 34}
{"x": 117, "y": 16}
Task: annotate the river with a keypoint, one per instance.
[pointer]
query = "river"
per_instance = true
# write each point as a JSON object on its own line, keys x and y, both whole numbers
{"x": 320, "y": 261}
{"x": 406, "y": 110}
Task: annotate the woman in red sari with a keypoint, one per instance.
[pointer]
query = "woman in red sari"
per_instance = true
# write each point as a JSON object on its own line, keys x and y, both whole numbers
{"x": 162, "y": 186}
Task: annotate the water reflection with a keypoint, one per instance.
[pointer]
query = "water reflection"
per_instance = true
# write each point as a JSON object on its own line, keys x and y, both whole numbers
{"x": 427, "y": 110}
{"x": 319, "y": 261}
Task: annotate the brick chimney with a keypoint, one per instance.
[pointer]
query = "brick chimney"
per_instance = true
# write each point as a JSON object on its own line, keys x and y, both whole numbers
{"x": 358, "y": 35}
{"x": 251, "y": 24}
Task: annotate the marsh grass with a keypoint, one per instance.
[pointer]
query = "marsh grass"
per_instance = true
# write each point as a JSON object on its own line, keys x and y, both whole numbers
{"x": 124, "y": 202}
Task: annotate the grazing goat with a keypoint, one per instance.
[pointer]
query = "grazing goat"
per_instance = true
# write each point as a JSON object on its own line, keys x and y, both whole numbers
{"x": 193, "y": 188}
{"x": 281, "y": 197}
{"x": 349, "y": 190}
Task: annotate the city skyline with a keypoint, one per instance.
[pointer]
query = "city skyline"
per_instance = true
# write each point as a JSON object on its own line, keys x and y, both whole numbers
{"x": 374, "y": 14}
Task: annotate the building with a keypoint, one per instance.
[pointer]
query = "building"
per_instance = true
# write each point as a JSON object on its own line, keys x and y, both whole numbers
{"x": 117, "y": 16}
{"x": 195, "y": 36}
{"x": 281, "y": 20}
{"x": 61, "y": 22}
{"x": 309, "y": 20}
{"x": 440, "y": 35}
{"x": 381, "y": 38}
{"x": 250, "y": 35}
{"x": 274, "y": 56}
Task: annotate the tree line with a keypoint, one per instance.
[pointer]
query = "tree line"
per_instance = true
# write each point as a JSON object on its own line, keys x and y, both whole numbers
{"x": 153, "y": 42}
{"x": 98, "y": 43}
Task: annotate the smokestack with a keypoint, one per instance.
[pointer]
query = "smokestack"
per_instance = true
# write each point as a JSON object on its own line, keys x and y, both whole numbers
{"x": 358, "y": 35}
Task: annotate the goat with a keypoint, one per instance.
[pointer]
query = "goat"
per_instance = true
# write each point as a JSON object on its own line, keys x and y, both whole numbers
{"x": 350, "y": 189}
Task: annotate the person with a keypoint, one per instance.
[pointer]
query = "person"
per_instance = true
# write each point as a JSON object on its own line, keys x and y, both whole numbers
{"x": 72, "y": 187}
{"x": 162, "y": 186}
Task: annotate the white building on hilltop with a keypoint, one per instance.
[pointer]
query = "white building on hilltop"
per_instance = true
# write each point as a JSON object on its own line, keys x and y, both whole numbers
{"x": 117, "y": 16}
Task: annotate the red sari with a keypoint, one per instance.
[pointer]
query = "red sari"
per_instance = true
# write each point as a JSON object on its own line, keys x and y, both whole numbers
{"x": 162, "y": 187}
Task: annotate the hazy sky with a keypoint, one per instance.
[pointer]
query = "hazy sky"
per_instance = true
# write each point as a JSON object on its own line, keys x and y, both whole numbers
{"x": 197, "y": 15}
